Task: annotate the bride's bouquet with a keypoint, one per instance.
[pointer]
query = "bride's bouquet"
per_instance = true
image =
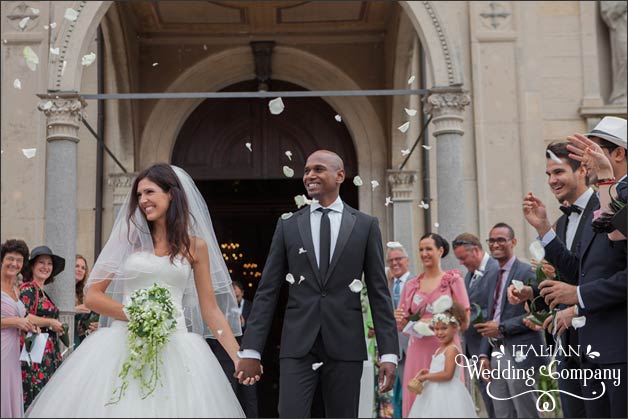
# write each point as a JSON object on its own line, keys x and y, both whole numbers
{"x": 151, "y": 320}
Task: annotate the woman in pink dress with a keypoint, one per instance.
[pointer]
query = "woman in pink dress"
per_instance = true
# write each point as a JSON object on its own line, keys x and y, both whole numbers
{"x": 418, "y": 295}
{"x": 14, "y": 253}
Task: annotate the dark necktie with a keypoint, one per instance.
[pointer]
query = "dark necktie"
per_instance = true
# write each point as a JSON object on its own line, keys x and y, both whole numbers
{"x": 498, "y": 287}
{"x": 568, "y": 209}
{"x": 325, "y": 242}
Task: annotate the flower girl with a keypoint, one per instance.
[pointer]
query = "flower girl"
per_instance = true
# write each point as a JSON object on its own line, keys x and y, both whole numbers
{"x": 440, "y": 394}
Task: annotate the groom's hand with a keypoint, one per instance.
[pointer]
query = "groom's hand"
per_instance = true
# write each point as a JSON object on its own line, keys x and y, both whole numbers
{"x": 248, "y": 371}
{"x": 386, "y": 376}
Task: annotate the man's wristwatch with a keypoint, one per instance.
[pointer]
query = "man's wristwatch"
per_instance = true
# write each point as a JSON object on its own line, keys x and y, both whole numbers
{"x": 502, "y": 329}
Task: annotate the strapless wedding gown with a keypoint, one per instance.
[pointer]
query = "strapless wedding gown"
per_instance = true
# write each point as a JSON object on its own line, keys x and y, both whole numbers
{"x": 192, "y": 383}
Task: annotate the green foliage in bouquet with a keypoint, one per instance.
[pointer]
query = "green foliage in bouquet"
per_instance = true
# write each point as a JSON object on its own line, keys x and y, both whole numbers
{"x": 538, "y": 317}
{"x": 476, "y": 314}
{"x": 416, "y": 316}
{"x": 65, "y": 337}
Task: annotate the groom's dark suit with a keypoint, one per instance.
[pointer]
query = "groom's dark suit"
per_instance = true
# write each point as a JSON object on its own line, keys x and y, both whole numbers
{"x": 323, "y": 318}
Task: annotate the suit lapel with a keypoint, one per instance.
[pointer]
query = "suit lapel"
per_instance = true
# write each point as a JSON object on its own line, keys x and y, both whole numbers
{"x": 346, "y": 226}
{"x": 511, "y": 274}
{"x": 587, "y": 217}
{"x": 586, "y": 234}
{"x": 305, "y": 230}
{"x": 561, "y": 228}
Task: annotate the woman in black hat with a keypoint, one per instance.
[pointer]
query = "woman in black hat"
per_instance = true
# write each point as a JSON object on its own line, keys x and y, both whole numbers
{"x": 43, "y": 266}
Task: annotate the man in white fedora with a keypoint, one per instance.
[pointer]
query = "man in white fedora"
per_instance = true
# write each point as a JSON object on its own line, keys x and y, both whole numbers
{"x": 610, "y": 134}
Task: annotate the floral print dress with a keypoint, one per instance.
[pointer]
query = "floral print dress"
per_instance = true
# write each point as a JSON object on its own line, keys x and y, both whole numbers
{"x": 35, "y": 376}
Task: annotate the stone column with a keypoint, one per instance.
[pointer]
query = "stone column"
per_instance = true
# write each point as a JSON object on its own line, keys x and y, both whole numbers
{"x": 121, "y": 183}
{"x": 446, "y": 105}
{"x": 402, "y": 186}
{"x": 63, "y": 115}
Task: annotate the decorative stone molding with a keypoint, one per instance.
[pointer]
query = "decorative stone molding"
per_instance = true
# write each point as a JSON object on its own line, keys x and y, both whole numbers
{"x": 61, "y": 62}
{"x": 121, "y": 183}
{"x": 446, "y": 105}
{"x": 402, "y": 184}
{"x": 64, "y": 113}
{"x": 498, "y": 18}
{"x": 443, "y": 40}
{"x": 18, "y": 16}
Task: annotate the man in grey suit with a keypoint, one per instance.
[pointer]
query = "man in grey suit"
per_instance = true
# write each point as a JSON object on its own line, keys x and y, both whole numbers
{"x": 505, "y": 327}
{"x": 482, "y": 270}
{"x": 322, "y": 250}
{"x": 398, "y": 263}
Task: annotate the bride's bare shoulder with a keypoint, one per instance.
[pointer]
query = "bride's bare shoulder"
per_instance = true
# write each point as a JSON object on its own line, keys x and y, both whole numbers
{"x": 197, "y": 245}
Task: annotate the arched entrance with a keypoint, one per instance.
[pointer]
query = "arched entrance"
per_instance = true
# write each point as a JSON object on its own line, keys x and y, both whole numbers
{"x": 246, "y": 191}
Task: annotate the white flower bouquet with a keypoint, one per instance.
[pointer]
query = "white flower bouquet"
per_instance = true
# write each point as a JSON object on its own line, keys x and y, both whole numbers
{"x": 151, "y": 314}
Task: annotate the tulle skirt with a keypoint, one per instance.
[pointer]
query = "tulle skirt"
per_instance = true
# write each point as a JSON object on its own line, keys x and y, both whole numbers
{"x": 192, "y": 383}
{"x": 448, "y": 399}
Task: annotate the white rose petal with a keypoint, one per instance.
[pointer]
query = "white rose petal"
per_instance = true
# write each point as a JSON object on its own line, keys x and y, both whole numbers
{"x": 424, "y": 205}
{"x": 388, "y": 201}
{"x": 300, "y": 200}
{"x": 405, "y": 152}
{"x": 155, "y": 64}
{"x": 17, "y": 84}
{"x": 289, "y": 154}
{"x": 290, "y": 278}
{"x": 35, "y": 11}
{"x": 404, "y": 127}
{"x": 31, "y": 58}
{"x": 316, "y": 365}
{"x": 578, "y": 322}
{"x": 442, "y": 304}
{"x": 537, "y": 250}
{"x": 205, "y": 47}
{"x": 301, "y": 279}
{"x": 70, "y": 14}
{"x": 54, "y": 51}
{"x": 53, "y": 25}
{"x": 393, "y": 245}
{"x": 356, "y": 285}
{"x": 422, "y": 329}
{"x": 88, "y": 59}
{"x": 47, "y": 105}
{"x": 518, "y": 284}
{"x": 248, "y": 145}
{"x": 23, "y": 22}
{"x": 411, "y": 79}
{"x": 219, "y": 331}
{"x": 357, "y": 181}
{"x": 288, "y": 172}
{"x": 46, "y": 27}
{"x": 410, "y": 112}
{"x": 338, "y": 118}
{"x": 276, "y": 106}
{"x": 286, "y": 215}
{"x": 427, "y": 147}
{"x": 302, "y": 250}
{"x": 436, "y": 225}
{"x": 29, "y": 153}
{"x": 519, "y": 356}
{"x": 554, "y": 157}
{"x": 374, "y": 184}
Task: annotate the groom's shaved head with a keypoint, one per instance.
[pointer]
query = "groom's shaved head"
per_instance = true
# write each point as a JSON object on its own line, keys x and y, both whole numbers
{"x": 332, "y": 158}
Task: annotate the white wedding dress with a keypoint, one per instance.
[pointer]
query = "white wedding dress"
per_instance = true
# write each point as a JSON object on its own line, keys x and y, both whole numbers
{"x": 445, "y": 399}
{"x": 192, "y": 383}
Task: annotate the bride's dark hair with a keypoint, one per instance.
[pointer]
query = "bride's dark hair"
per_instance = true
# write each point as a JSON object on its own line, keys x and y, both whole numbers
{"x": 178, "y": 212}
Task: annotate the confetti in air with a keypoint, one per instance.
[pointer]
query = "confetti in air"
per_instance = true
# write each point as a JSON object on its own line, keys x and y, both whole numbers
{"x": 411, "y": 79}
{"x": 290, "y": 278}
{"x": 357, "y": 181}
{"x": 70, "y": 14}
{"x": 338, "y": 118}
{"x": 249, "y": 146}
{"x": 404, "y": 127}
{"x": 410, "y": 112}
{"x": 374, "y": 184}
{"x": 289, "y": 154}
{"x": 288, "y": 172}
{"x": 405, "y": 152}
{"x": 17, "y": 84}
{"x": 388, "y": 201}
{"x": 276, "y": 106}
{"x": 88, "y": 59}
{"x": 29, "y": 153}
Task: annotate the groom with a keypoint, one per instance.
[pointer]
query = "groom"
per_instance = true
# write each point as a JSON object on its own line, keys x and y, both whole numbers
{"x": 325, "y": 247}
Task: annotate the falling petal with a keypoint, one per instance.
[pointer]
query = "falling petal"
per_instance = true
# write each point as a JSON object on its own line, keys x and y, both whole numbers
{"x": 423, "y": 329}
{"x": 54, "y": 51}
{"x": 404, "y": 127}
{"x": 70, "y": 14}
{"x": 219, "y": 331}
{"x": 155, "y": 64}
{"x": 290, "y": 278}
{"x": 357, "y": 181}
{"x": 411, "y": 79}
{"x": 63, "y": 64}
{"x": 427, "y": 147}
{"x": 388, "y": 201}
{"x": 276, "y": 106}
{"x": 88, "y": 59}
{"x": 31, "y": 58}
{"x": 17, "y": 84}
{"x": 47, "y": 105}
{"x": 356, "y": 285}
{"x": 424, "y": 205}
{"x": 286, "y": 215}
{"x": 436, "y": 225}
{"x": 518, "y": 284}
{"x": 302, "y": 250}
{"x": 299, "y": 200}
{"x": 289, "y": 154}
{"x": 338, "y": 118}
{"x": 520, "y": 356}
{"x": 578, "y": 322}
{"x": 393, "y": 245}
{"x": 23, "y": 22}
{"x": 537, "y": 250}
{"x": 374, "y": 184}
{"x": 53, "y": 25}
{"x": 410, "y": 112}
{"x": 405, "y": 152}
{"x": 35, "y": 11}
{"x": 554, "y": 157}
{"x": 29, "y": 153}
{"x": 46, "y": 27}
{"x": 5, "y": 41}
{"x": 301, "y": 279}
{"x": 288, "y": 172}
{"x": 248, "y": 145}
{"x": 205, "y": 47}
{"x": 316, "y": 365}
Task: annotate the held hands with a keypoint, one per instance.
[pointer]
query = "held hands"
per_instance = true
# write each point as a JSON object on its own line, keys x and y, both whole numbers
{"x": 422, "y": 374}
{"x": 25, "y": 325}
{"x": 248, "y": 371}
{"x": 386, "y": 378}
{"x": 536, "y": 214}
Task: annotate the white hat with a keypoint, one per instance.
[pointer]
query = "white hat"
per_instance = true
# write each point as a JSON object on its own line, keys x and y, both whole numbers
{"x": 611, "y": 129}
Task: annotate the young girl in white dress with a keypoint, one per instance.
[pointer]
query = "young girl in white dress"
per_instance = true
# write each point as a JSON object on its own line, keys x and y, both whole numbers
{"x": 444, "y": 395}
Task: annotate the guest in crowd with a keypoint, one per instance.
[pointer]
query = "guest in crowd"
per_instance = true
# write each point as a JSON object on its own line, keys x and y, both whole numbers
{"x": 14, "y": 253}
{"x": 43, "y": 267}
{"x": 481, "y": 272}
{"x": 417, "y": 294}
{"x": 85, "y": 320}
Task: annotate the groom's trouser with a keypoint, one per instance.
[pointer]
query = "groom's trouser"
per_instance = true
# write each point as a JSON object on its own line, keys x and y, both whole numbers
{"x": 340, "y": 384}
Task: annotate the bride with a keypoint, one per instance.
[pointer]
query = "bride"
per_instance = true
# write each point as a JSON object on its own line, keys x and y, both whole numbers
{"x": 163, "y": 234}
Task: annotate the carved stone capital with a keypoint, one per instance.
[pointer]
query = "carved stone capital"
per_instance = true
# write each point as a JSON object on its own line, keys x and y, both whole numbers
{"x": 64, "y": 112}
{"x": 446, "y": 105}
{"x": 121, "y": 183}
{"x": 402, "y": 184}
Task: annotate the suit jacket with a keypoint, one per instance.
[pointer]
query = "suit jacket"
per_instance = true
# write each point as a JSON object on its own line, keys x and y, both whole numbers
{"x": 403, "y": 339}
{"x": 480, "y": 292}
{"x": 246, "y": 311}
{"x": 511, "y": 316}
{"x": 324, "y": 305}
{"x": 598, "y": 266}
